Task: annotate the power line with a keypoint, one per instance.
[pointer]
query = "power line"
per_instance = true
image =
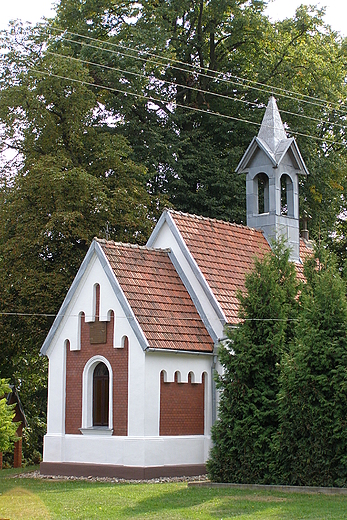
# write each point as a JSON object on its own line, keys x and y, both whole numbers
{"x": 211, "y": 74}
{"x": 22, "y": 314}
{"x": 216, "y": 94}
{"x": 47, "y": 315}
{"x": 269, "y": 91}
{"x": 167, "y": 103}
{"x": 147, "y": 98}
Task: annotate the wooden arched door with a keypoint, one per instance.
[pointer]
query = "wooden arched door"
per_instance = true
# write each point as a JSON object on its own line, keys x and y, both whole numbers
{"x": 100, "y": 395}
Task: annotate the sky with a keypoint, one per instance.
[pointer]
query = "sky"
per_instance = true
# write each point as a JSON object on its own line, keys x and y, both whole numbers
{"x": 26, "y": 10}
{"x": 335, "y": 14}
{"x": 33, "y": 10}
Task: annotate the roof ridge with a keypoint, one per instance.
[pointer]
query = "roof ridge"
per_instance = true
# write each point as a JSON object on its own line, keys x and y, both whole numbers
{"x": 210, "y": 219}
{"x": 131, "y": 246}
{"x": 308, "y": 243}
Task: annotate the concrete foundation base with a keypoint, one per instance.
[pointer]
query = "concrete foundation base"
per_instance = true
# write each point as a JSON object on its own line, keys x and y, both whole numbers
{"x": 127, "y": 472}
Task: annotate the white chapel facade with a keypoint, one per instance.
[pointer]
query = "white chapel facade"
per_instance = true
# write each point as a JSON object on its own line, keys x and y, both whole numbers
{"x": 133, "y": 350}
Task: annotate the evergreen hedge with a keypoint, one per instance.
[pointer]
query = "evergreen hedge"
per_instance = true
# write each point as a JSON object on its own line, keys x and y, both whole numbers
{"x": 283, "y": 392}
{"x": 248, "y": 411}
{"x": 311, "y": 443}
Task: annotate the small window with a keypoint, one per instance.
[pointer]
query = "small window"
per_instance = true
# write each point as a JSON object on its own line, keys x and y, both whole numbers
{"x": 263, "y": 193}
{"x": 100, "y": 395}
{"x": 287, "y": 196}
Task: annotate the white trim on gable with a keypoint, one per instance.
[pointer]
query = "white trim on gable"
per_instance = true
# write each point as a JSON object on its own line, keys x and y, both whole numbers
{"x": 121, "y": 297}
{"x": 167, "y": 218}
{"x": 61, "y": 313}
{"x": 254, "y": 145}
{"x": 96, "y": 249}
{"x": 297, "y": 154}
{"x": 275, "y": 158}
{"x": 193, "y": 296}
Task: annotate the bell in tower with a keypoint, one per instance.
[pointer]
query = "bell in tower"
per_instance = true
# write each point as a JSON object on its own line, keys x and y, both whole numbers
{"x": 273, "y": 163}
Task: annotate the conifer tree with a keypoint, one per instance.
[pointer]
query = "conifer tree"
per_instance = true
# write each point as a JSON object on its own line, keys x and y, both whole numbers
{"x": 248, "y": 415}
{"x": 312, "y": 439}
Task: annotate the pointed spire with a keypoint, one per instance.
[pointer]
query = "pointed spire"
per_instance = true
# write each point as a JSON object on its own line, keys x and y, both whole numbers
{"x": 272, "y": 131}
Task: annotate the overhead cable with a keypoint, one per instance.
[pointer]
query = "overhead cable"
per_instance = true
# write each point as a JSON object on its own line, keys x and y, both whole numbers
{"x": 47, "y": 315}
{"x": 174, "y": 103}
{"x": 187, "y": 87}
{"x": 211, "y": 74}
{"x": 223, "y": 80}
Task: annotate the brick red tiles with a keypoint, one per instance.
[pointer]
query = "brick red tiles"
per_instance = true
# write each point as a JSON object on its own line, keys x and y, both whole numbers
{"x": 305, "y": 252}
{"x": 225, "y": 252}
{"x": 157, "y": 297}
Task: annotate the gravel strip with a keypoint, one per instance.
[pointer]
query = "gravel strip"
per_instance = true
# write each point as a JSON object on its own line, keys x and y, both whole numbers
{"x": 37, "y": 474}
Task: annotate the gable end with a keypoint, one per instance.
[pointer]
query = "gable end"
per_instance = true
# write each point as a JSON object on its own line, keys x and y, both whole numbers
{"x": 96, "y": 249}
{"x": 167, "y": 217}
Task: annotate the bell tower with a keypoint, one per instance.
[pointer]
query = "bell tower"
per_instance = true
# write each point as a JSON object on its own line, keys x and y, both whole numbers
{"x": 273, "y": 163}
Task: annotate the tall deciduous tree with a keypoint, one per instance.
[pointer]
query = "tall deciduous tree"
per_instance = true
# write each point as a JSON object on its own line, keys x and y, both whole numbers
{"x": 8, "y": 428}
{"x": 248, "y": 410}
{"x": 74, "y": 177}
{"x": 338, "y": 244}
{"x": 70, "y": 177}
{"x": 215, "y": 56}
{"x": 312, "y": 438}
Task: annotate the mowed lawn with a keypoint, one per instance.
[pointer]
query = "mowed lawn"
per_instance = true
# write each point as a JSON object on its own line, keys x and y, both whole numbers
{"x": 44, "y": 499}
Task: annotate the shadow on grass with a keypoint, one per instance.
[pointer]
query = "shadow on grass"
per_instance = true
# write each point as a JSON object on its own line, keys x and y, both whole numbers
{"x": 205, "y": 503}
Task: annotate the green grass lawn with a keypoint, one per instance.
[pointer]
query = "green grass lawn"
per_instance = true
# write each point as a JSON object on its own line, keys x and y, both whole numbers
{"x": 41, "y": 499}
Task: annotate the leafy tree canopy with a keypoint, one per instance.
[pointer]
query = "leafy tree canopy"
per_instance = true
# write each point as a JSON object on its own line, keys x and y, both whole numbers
{"x": 72, "y": 176}
{"x": 179, "y": 59}
{"x": 8, "y": 428}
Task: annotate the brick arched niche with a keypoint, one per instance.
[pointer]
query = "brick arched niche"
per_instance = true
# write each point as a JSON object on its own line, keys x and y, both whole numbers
{"x": 182, "y": 405}
{"x": 87, "y": 394}
{"x": 80, "y": 365}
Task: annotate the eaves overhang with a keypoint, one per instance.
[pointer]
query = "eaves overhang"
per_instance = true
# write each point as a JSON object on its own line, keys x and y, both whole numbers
{"x": 193, "y": 297}
{"x": 256, "y": 143}
{"x": 298, "y": 157}
{"x": 129, "y": 313}
{"x": 167, "y": 217}
{"x": 61, "y": 313}
{"x": 275, "y": 158}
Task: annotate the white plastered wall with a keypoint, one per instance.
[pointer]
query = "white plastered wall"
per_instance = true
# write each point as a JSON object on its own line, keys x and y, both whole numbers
{"x": 171, "y": 363}
{"x": 56, "y": 446}
{"x": 142, "y": 446}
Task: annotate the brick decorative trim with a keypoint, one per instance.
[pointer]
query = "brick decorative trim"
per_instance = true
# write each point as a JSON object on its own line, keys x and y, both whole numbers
{"x": 181, "y": 407}
{"x": 75, "y": 363}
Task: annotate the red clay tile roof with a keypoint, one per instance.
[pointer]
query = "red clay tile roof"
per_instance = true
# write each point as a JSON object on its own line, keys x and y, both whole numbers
{"x": 306, "y": 250}
{"x": 158, "y": 298}
{"x": 225, "y": 252}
